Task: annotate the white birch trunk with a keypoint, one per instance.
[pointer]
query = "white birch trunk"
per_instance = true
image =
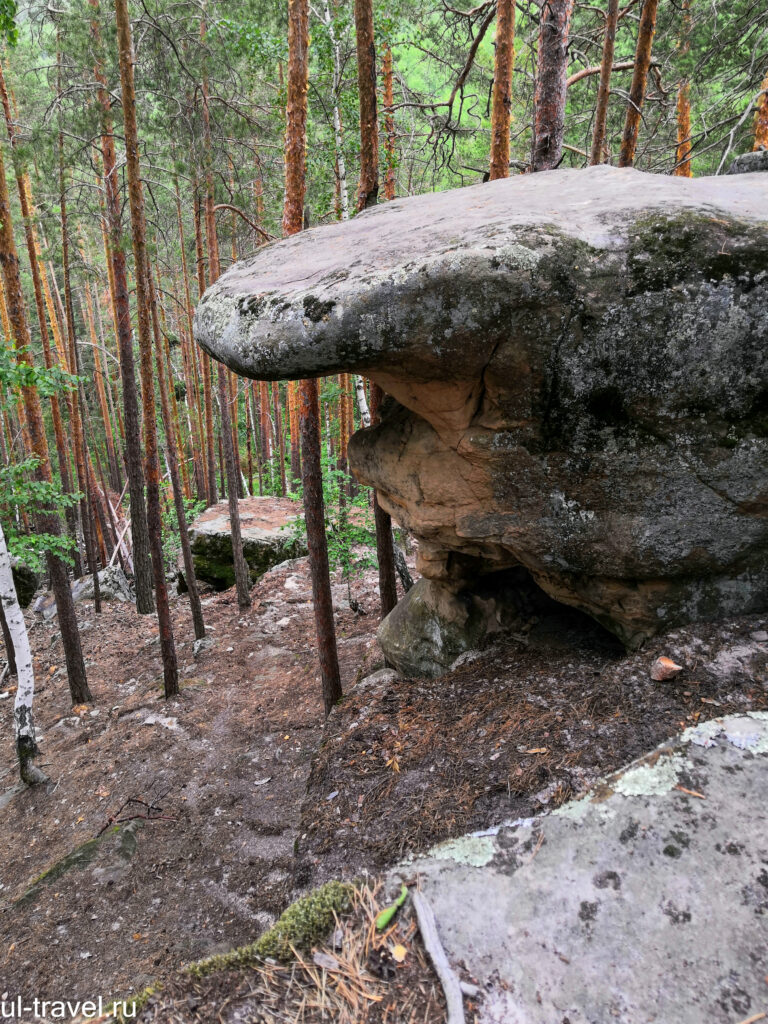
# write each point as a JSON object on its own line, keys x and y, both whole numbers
{"x": 338, "y": 132}
{"x": 362, "y": 404}
{"x": 24, "y": 725}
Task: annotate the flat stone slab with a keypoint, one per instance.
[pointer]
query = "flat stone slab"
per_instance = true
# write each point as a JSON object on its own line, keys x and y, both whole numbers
{"x": 644, "y": 901}
{"x": 269, "y": 536}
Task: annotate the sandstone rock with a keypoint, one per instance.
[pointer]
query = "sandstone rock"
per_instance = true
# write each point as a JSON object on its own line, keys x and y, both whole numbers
{"x": 268, "y": 539}
{"x": 433, "y": 625}
{"x": 644, "y": 900}
{"x": 579, "y": 369}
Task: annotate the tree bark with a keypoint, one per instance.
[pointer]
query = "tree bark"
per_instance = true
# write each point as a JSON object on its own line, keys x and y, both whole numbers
{"x": 152, "y": 468}
{"x": 173, "y": 470}
{"x": 550, "y": 89}
{"x": 368, "y": 189}
{"x": 389, "y": 125}
{"x": 142, "y": 564}
{"x": 761, "y": 119}
{"x": 604, "y": 89}
{"x": 24, "y": 724}
{"x": 501, "y": 104}
{"x": 683, "y": 167}
{"x": 47, "y": 520}
{"x": 309, "y": 411}
{"x": 639, "y": 79}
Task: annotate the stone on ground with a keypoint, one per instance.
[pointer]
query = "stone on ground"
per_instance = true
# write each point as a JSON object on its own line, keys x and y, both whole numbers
{"x": 269, "y": 534}
{"x": 579, "y": 376}
{"x": 646, "y": 900}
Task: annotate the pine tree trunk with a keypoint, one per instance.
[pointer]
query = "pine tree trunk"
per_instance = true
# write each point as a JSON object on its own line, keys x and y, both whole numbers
{"x": 639, "y": 79}
{"x": 683, "y": 167}
{"x": 368, "y": 189}
{"x": 550, "y": 89}
{"x": 152, "y": 468}
{"x": 604, "y": 89}
{"x": 501, "y": 109}
{"x": 140, "y": 547}
{"x": 47, "y": 521}
{"x": 242, "y": 573}
{"x": 389, "y": 125}
{"x": 309, "y": 412}
{"x": 173, "y": 469}
{"x": 761, "y": 119}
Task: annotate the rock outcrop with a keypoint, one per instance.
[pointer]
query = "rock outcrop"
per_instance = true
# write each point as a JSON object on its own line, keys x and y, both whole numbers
{"x": 578, "y": 365}
{"x": 644, "y": 900}
{"x": 269, "y": 537}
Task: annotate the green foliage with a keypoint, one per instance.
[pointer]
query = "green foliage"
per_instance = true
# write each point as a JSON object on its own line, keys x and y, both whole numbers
{"x": 21, "y": 492}
{"x": 171, "y": 537}
{"x": 8, "y": 29}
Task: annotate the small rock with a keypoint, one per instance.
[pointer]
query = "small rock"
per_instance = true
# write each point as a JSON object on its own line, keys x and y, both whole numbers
{"x": 203, "y": 644}
{"x": 759, "y": 636}
{"x": 663, "y": 669}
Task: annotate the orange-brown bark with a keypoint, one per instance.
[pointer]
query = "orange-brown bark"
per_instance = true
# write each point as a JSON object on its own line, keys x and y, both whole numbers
{"x": 645, "y": 36}
{"x": 604, "y": 89}
{"x": 368, "y": 188}
{"x": 501, "y": 102}
{"x": 761, "y": 119}
{"x": 143, "y": 299}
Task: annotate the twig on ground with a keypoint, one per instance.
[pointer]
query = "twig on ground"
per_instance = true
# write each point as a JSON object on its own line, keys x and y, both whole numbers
{"x": 432, "y": 944}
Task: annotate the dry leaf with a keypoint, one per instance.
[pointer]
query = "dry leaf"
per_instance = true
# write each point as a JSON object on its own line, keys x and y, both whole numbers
{"x": 664, "y": 668}
{"x": 79, "y": 709}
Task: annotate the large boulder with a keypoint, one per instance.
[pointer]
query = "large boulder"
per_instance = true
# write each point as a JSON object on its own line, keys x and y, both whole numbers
{"x": 578, "y": 363}
{"x": 268, "y": 527}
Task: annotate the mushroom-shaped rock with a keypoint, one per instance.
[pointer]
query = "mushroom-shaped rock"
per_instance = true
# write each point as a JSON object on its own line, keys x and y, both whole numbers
{"x": 579, "y": 366}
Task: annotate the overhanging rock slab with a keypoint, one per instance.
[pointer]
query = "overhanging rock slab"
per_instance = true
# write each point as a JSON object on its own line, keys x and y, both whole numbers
{"x": 578, "y": 368}
{"x": 645, "y": 901}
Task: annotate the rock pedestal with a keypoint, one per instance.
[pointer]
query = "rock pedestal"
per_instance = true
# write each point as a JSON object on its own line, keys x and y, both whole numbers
{"x": 578, "y": 365}
{"x": 268, "y": 527}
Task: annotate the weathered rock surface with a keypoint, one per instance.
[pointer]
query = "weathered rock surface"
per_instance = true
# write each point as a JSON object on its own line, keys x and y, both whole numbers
{"x": 749, "y": 162}
{"x": 646, "y": 900}
{"x": 268, "y": 538}
{"x": 113, "y": 586}
{"x": 580, "y": 373}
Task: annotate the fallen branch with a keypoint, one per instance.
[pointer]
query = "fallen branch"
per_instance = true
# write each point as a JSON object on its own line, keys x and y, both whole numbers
{"x": 259, "y": 231}
{"x": 432, "y": 944}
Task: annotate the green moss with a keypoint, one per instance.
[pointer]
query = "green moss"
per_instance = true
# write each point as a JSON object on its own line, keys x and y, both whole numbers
{"x": 305, "y": 923}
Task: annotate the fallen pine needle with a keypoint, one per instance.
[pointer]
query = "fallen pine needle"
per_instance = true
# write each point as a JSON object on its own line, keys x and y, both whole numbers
{"x": 692, "y": 792}
{"x": 753, "y": 1018}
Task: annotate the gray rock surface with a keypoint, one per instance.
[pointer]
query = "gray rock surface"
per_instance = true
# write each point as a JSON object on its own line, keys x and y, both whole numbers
{"x": 646, "y": 900}
{"x": 748, "y": 163}
{"x": 580, "y": 373}
{"x": 269, "y": 538}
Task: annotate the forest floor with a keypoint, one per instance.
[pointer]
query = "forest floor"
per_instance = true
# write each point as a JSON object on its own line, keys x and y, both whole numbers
{"x": 243, "y": 797}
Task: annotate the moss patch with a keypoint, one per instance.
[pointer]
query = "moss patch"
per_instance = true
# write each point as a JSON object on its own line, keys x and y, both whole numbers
{"x": 305, "y": 923}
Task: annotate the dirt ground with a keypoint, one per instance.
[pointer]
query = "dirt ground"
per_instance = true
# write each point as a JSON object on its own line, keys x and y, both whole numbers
{"x": 225, "y": 766}
{"x": 250, "y": 800}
